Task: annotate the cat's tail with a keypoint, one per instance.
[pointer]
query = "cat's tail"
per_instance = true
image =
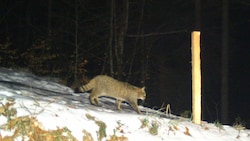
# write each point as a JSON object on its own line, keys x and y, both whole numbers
{"x": 88, "y": 86}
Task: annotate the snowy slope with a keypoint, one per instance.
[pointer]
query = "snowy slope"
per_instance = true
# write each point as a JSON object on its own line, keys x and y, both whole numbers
{"x": 53, "y": 107}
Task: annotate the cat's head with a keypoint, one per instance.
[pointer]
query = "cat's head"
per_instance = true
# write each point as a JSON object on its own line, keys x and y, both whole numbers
{"x": 141, "y": 93}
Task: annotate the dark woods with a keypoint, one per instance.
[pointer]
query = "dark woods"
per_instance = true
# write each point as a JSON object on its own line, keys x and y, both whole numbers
{"x": 146, "y": 43}
{"x": 71, "y": 39}
{"x": 134, "y": 41}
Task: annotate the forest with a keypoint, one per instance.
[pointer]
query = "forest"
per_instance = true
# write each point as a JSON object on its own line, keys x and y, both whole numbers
{"x": 143, "y": 42}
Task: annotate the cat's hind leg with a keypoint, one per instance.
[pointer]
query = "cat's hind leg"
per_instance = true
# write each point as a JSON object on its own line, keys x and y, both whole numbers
{"x": 93, "y": 98}
{"x": 118, "y": 104}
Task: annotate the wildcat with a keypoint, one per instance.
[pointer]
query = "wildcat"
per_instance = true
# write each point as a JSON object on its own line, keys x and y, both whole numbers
{"x": 103, "y": 85}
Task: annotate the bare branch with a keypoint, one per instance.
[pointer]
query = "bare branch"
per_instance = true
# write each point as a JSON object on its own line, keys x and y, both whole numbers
{"x": 157, "y": 33}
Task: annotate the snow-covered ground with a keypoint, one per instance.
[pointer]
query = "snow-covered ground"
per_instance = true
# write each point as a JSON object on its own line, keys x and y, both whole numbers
{"x": 34, "y": 108}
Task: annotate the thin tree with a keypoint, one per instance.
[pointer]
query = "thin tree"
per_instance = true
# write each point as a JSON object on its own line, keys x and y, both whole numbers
{"x": 139, "y": 30}
{"x": 118, "y": 30}
{"x": 224, "y": 62}
{"x": 76, "y": 41}
{"x": 110, "y": 46}
{"x": 49, "y": 19}
{"x": 121, "y": 33}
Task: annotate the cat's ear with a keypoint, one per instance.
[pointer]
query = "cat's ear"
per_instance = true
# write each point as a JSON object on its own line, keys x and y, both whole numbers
{"x": 143, "y": 88}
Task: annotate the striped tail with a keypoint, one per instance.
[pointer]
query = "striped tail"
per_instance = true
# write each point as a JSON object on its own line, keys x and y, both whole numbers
{"x": 87, "y": 87}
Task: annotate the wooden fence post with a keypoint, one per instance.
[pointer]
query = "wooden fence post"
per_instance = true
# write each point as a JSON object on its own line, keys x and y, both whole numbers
{"x": 196, "y": 77}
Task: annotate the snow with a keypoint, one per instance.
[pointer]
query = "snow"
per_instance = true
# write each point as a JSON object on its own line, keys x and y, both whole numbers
{"x": 56, "y": 106}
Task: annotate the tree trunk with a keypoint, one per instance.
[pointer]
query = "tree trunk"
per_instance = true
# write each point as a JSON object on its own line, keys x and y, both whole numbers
{"x": 111, "y": 34}
{"x": 76, "y": 42}
{"x": 139, "y": 32}
{"x": 224, "y": 62}
{"x": 123, "y": 25}
{"x": 49, "y": 19}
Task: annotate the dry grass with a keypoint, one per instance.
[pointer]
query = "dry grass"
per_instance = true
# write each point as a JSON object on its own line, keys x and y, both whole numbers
{"x": 29, "y": 128}
{"x": 102, "y": 127}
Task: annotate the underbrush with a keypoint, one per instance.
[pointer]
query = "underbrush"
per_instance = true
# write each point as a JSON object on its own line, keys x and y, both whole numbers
{"x": 28, "y": 128}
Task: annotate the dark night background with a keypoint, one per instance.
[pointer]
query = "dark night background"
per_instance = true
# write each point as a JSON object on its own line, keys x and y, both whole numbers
{"x": 72, "y": 40}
